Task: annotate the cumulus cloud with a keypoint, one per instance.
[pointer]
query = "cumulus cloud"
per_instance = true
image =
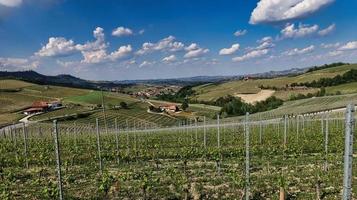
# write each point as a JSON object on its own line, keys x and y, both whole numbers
{"x": 169, "y": 59}
{"x": 10, "y": 3}
{"x": 270, "y": 11}
{"x": 330, "y": 45}
{"x": 57, "y": 46}
{"x": 14, "y": 64}
{"x": 327, "y": 30}
{"x": 228, "y": 51}
{"x": 122, "y": 31}
{"x": 166, "y": 44}
{"x": 252, "y": 54}
{"x": 349, "y": 46}
{"x": 122, "y": 51}
{"x": 240, "y": 32}
{"x": 296, "y": 51}
{"x": 194, "y": 51}
{"x": 290, "y": 31}
{"x": 94, "y": 52}
{"x": 142, "y": 31}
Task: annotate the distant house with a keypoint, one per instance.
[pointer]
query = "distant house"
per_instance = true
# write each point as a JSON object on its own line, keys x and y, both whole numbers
{"x": 169, "y": 108}
{"x": 247, "y": 78}
{"x": 42, "y": 106}
{"x": 55, "y": 105}
{"x": 31, "y": 111}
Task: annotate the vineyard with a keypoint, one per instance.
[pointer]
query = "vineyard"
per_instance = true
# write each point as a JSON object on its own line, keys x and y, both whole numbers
{"x": 300, "y": 157}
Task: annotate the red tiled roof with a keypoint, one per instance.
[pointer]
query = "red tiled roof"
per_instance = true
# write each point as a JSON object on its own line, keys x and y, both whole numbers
{"x": 39, "y": 104}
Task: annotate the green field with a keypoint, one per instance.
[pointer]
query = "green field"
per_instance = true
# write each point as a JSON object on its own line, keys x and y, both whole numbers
{"x": 209, "y": 92}
{"x": 77, "y": 101}
{"x": 13, "y": 84}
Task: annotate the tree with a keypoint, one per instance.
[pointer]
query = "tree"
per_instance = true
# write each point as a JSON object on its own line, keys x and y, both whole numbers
{"x": 123, "y": 105}
{"x": 185, "y": 105}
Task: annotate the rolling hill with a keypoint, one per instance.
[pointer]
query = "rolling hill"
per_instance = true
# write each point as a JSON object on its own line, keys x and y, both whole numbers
{"x": 212, "y": 91}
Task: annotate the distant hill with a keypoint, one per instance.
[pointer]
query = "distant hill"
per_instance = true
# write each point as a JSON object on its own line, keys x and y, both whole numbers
{"x": 214, "y": 79}
{"x": 71, "y": 81}
{"x": 59, "y": 80}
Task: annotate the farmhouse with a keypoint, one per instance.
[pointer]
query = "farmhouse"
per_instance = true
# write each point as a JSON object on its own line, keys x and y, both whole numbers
{"x": 42, "y": 106}
{"x": 169, "y": 108}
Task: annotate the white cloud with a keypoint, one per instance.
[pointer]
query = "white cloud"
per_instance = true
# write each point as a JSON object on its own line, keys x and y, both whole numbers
{"x": 11, "y": 3}
{"x": 98, "y": 44}
{"x": 265, "y": 39}
{"x": 169, "y": 59}
{"x": 146, "y": 63}
{"x": 327, "y": 30}
{"x": 191, "y": 47}
{"x": 122, "y": 31}
{"x": 14, "y": 64}
{"x": 335, "y": 53}
{"x": 228, "y": 51}
{"x": 121, "y": 52}
{"x": 349, "y": 46}
{"x": 269, "y": 11}
{"x": 301, "y": 31}
{"x": 251, "y": 54}
{"x": 57, "y": 46}
{"x": 296, "y": 51}
{"x": 142, "y": 31}
{"x": 194, "y": 51}
{"x": 330, "y": 45}
{"x": 240, "y": 32}
{"x": 265, "y": 43}
{"x": 166, "y": 44}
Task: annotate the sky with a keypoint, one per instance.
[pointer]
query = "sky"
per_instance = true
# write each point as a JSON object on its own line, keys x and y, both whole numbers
{"x": 151, "y": 39}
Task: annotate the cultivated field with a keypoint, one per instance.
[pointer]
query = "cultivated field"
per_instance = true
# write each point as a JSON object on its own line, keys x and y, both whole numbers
{"x": 184, "y": 162}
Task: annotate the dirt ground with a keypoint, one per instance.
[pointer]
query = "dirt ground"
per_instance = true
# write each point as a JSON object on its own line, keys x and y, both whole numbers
{"x": 260, "y": 96}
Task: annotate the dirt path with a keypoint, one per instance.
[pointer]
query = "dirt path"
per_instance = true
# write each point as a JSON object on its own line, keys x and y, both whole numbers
{"x": 260, "y": 96}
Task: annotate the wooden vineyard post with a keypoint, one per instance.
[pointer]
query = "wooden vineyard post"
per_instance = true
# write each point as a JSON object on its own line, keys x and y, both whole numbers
{"x": 75, "y": 134}
{"x": 260, "y": 132}
{"x": 322, "y": 124}
{"x": 326, "y": 145}
{"x": 285, "y": 128}
{"x": 25, "y": 145}
{"x": 117, "y": 139}
{"x": 196, "y": 130}
{"x": 204, "y": 132}
{"x": 297, "y": 127}
{"x": 218, "y": 133}
{"x": 98, "y": 145}
{"x": 58, "y": 159}
{"x": 247, "y": 164}
{"x": 127, "y": 136}
{"x": 347, "y": 175}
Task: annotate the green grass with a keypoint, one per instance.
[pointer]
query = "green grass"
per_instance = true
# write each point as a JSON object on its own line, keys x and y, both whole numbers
{"x": 13, "y": 84}
{"x": 347, "y": 88}
{"x": 95, "y": 98}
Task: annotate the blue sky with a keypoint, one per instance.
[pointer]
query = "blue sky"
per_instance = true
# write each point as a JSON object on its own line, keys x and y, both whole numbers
{"x": 144, "y": 39}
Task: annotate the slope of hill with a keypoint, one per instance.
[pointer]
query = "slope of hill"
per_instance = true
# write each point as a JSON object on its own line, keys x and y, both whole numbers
{"x": 212, "y": 91}
{"x": 59, "y": 80}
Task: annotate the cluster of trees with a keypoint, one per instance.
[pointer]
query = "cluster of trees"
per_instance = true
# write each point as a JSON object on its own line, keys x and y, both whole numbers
{"x": 179, "y": 96}
{"x": 233, "y": 106}
{"x": 350, "y": 76}
{"x": 320, "y": 93}
{"x": 315, "y": 68}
